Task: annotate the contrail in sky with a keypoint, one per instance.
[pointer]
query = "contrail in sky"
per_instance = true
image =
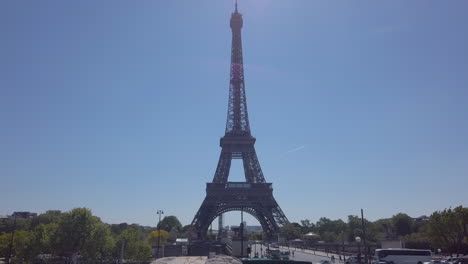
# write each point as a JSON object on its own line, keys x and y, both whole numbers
{"x": 295, "y": 149}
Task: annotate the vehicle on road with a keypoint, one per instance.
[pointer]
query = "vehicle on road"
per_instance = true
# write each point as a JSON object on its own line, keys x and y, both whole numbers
{"x": 284, "y": 255}
{"x": 402, "y": 256}
{"x": 273, "y": 253}
{"x": 324, "y": 262}
{"x": 352, "y": 260}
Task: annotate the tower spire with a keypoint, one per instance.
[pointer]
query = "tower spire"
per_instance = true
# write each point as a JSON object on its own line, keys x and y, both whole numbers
{"x": 237, "y": 123}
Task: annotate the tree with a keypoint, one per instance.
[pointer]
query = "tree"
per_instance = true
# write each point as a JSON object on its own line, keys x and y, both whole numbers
{"x": 21, "y": 248}
{"x": 417, "y": 240}
{"x": 307, "y": 226}
{"x": 402, "y": 224}
{"x": 154, "y": 236}
{"x": 73, "y": 231}
{"x": 101, "y": 243}
{"x": 118, "y": 228}
{"x": 51, "y": 216}
{"x": 385, "y": 228}
{"x": 131, "y": 238}
{"x": 329, "y": 236}
{"x": 329, "y": 230}
{"x": 142, "y": 251}
{"x": 170, "y": 222}
{"x": 354, "y": 229}
{"x": 43, "y": 234}
{"x": 79, "y": 232}
{"x": 22, "y": 244}
{"x": 189, "y": 232}
{"x": 447, "y": 229}
{"x": 257, "y": 236}
{"x": 173, "y": 235}
{"x": 291, "y": 231}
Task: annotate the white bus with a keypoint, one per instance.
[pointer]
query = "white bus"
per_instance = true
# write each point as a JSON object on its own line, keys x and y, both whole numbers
{"x": 402, "y": 256}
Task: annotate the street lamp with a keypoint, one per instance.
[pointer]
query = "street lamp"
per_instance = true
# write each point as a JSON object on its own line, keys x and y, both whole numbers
{"x": 242, "y": 232}
{"x": 358, "y": 240}
{"x": 159, "y": 212}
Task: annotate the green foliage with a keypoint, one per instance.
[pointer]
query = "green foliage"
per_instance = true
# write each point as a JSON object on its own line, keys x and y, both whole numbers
{"x": 154, "y": 236}
{"x": 51, "y": 216}
{"x": 257, "y": 236}
{"x": 142, "y": 252}
{"x": 385, "y": 228}
{"x": 22, "y": 245}
{"x": 170, "y": 222}
{"x": 402, "y": 224}
{"x": 189, "y": 232}
{"x": 307, "y": 226}
{"x": 78, "y": 231}
{"x": 119, "y": 228}
{"x": 43, "y": 237}
{"x": 329, "y": 230}
{"x": 173, "y": 235}
{"x": 4, "y": 242}
{"x": 21, "y": 248}
{"x": 73, "y": 231}
{"x": 447, "y": 229}
{"x": 354, "y": 228}
{"x": 291, "y": 231}
{"x": 417, "y": 240}
{"x": 100, "y": 243}
{"x": 134, "y": 248}
{"x": 329, "y": 236}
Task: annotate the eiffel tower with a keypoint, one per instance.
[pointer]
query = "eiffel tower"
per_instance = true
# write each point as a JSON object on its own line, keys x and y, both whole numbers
{"x": 255, "y": 195}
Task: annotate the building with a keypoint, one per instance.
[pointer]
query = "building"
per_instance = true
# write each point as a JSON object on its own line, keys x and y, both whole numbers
{"x": 22, "y": 215}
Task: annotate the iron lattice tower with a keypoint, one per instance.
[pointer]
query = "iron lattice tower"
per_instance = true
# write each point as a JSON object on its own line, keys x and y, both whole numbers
{"x": 255, "y": 195}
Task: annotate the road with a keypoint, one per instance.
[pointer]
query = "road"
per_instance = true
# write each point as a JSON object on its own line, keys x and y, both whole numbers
{"x": 299, "y": 254}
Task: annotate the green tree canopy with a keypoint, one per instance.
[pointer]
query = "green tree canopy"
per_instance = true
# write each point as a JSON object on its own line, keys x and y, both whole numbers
{"x": 170, "y": 222}
{"x": 154, "y": 236}
{"x": 307, "y": 226}
{"x": 403, "y": 224}
{"x": 447, "y": 229}
{"x": 291, "y": 231}
{"x": 80, "y": 231}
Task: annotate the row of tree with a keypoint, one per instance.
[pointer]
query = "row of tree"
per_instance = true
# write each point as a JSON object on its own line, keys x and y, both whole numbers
{"x": 445, "y": 229}
{"x": 81, "y": 234}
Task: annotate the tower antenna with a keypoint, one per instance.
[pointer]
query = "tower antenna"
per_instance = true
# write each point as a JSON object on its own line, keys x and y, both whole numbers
{"x": 236, "y": 6}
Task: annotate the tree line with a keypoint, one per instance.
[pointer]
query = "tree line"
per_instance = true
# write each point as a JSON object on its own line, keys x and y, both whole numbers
{"x": 445, "y": 230}
{"x": 78, "y": 232}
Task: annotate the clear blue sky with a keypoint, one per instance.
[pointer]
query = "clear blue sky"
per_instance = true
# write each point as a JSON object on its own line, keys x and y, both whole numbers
{"x": 118, "y": 106}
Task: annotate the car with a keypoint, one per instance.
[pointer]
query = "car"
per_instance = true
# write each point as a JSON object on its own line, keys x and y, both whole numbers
{"x": 284, "y": 255}
{"x": 324, "y": 262}
{"x": 352, "y": 260}
{"x": 453, "y": 260}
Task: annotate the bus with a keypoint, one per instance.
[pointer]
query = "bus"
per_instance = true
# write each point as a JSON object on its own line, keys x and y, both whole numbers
{"x": 402, "y": 256}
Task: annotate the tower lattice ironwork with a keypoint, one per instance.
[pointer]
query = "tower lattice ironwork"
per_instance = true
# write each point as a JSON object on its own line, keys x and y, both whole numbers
{"x": 255, "y": 195}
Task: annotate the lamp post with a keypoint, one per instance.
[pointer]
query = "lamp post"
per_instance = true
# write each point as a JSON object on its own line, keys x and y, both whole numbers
{"x": 10, "y": 248}
{"x": 358, "y": 240}
{"x": 366, "y": 250}
{"x": 261, "y": 248}
{"x": 159, "y": 212}
{"x": 242, "y": 232}
{"x": 342, "y": 245}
